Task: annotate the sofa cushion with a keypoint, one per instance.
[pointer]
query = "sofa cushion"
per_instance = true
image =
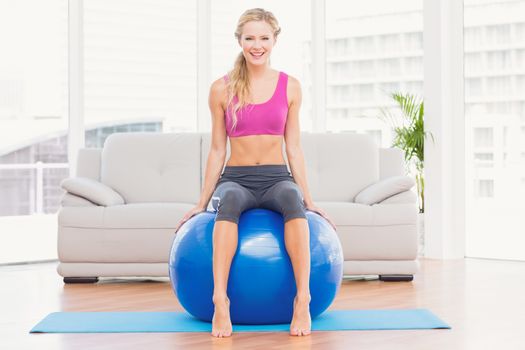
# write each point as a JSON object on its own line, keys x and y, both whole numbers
{"x": 137, "y": 215}
{"x": 339, "y": 166}
{"x": 153, "y": 167}
{"x": 167, "y": 215}
{"x": 354, "y": 214}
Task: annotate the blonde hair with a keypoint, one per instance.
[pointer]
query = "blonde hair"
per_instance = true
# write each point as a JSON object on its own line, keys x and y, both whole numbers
{"x": 238, "y": 83}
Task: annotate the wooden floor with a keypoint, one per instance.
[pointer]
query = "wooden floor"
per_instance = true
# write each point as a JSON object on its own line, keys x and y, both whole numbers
{"x": 483, "y": 301}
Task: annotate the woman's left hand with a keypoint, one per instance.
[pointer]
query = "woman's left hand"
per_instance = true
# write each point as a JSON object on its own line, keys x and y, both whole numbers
{"x": 316, "y": 209}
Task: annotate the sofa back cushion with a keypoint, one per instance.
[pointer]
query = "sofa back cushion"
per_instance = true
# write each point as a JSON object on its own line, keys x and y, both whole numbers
{"x": 339, "y": 166}
{"x": 391, "y": 162}
{"x": 153, "y": 167}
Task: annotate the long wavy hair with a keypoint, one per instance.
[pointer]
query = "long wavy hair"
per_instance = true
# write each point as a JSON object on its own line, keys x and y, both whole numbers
{"x": 238, "y": 82}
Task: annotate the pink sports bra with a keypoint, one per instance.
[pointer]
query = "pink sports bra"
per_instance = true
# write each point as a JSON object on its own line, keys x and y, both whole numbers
{"x": 268, "y": 118}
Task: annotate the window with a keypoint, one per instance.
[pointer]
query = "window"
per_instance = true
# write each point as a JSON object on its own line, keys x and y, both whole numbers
{"x": 483, "y": 137}
{"x": 495, "y": 117}
{"x": 498, "y": 60}
{"x": 413, "y": 65}
{"x": 366, "y": 69}
{"x": 484, "y": 156}
{"x": 413, "y": 41}
{"x": 483, "y": 160}
{"x": 390, "y": 43}
{"x": 414, "y": 87}
{"x": 390, "y": 67}
{"x": 498, "y": 86}
{"x": 519, "y": 31}
{"x": 33, "y": 122}
{"x": 473, "y": 63}
{"x": 385, "y": 56}
{"x": 365, "y": 45}
{"x": 486, "y": 188}
{"x": 520, "y": 58}
{"x": 473, "y": 37}
{"x": 520, "y": 82}
{"x": 498, "y": 34}
{"x": 473, "y": 87}
{"x": 140, "y": 66}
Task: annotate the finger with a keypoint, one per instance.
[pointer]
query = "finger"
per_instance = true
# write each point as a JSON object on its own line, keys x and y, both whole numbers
{"x": 316, "y": 211}
{"x": 179, "y": 225}
{"x": 330, "y": 222}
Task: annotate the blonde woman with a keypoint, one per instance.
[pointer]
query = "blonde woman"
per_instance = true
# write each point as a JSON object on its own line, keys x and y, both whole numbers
{"x": 257, "y": 108}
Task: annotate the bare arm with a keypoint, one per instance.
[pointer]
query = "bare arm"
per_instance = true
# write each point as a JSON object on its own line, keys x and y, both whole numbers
{"x": 292, "y": 134}
{"x": 217, "y": 153}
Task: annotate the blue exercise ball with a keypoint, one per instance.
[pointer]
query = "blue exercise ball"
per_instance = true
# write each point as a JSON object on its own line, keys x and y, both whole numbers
{"x": 261, "y": 285}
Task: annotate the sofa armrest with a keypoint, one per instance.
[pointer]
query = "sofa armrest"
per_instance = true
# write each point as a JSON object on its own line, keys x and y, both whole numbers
{"x": 71, "y": 200}
{"x": 383, "y": 189}
{"x": 404, "y": 197}
{"x": 92, "y": 190}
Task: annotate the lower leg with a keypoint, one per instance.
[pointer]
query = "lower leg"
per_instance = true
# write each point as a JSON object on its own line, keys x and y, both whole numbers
{"x": 224, "y": 247}
{"x": 297, "y": 242}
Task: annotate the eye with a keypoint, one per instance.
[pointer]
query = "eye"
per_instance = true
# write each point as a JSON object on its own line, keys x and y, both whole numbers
{"x": 266, "y": 38}
{"x": 248, "y": 39}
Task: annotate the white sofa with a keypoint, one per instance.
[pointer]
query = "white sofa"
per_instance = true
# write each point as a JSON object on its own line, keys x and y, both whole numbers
{"x": 118, "y": 215}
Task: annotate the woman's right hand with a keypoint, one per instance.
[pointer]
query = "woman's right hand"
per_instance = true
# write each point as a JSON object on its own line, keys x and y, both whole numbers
{"x": 192, "y": 212}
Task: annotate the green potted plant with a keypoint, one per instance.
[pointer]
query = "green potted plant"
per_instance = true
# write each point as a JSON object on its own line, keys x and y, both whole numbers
{"x": 410, "y": 135}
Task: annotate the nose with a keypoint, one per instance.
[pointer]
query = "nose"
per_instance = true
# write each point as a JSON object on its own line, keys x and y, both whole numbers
{"x": 257, "y": 43}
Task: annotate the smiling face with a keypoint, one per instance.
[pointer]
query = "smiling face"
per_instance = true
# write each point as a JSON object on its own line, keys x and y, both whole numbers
{"x": 257, "y": 40}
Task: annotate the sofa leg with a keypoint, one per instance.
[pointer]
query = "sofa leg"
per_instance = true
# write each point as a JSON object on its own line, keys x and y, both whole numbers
{"x": 69, "y": 280}
{"x": 396, "y": 278}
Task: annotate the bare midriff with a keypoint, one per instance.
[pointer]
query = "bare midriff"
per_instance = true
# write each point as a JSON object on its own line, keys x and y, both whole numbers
{"x": 256, "y": 150}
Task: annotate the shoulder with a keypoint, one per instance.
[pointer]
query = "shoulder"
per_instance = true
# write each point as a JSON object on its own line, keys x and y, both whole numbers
{"x": 293, "y": 83}
{"x": 293, "y": 89}
{"x": 218, "y": 86}
{"x": 218, "y": 90}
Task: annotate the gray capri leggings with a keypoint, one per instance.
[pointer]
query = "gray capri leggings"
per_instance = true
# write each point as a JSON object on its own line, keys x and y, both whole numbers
{"x": 257, "y": 186}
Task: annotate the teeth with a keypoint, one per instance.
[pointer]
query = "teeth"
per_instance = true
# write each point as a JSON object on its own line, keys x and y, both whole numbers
{"x": 258, "y": 54}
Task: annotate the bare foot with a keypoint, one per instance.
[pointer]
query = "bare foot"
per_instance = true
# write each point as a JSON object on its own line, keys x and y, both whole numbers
{"x": 221, "y": 325}
{"x": 301, "y": 322}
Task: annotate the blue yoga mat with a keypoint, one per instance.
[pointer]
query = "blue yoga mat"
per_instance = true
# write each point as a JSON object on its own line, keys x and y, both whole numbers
{"x": 142, "y": 322}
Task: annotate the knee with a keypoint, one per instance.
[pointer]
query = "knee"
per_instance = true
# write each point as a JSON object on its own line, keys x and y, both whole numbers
{"x": 290, "y": 195}
{"x": 229, "y": 205}
{"x": 291, "y": 201}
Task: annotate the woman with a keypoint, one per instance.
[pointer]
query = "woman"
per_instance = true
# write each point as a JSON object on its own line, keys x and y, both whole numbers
{"x": 257, "y": 108}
